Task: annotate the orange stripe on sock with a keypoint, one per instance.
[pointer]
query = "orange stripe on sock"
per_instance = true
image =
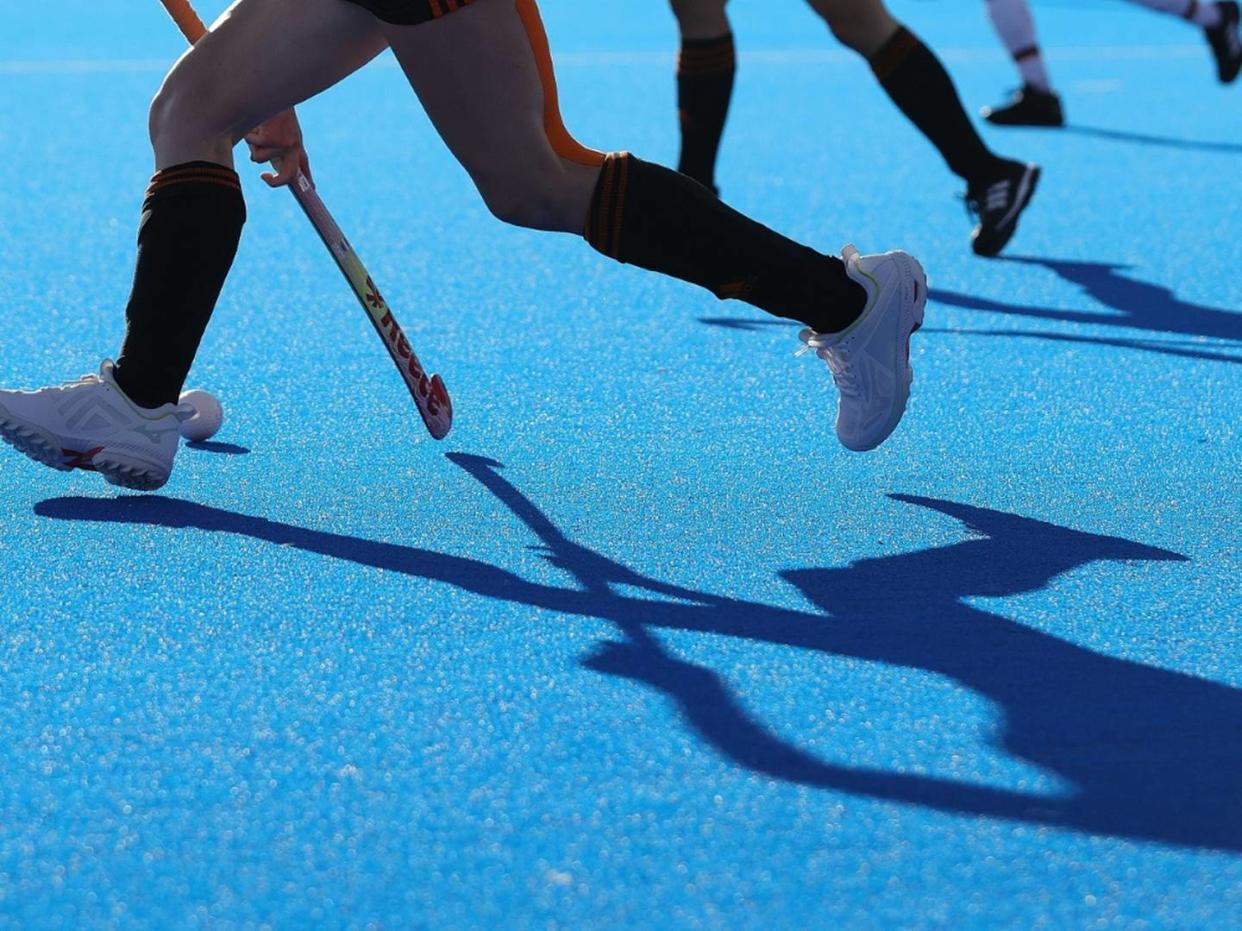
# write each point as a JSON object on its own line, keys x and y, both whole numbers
{"x": 156, "y": 188}
{"x": 159, "y": 185}
{"x": 173, "y": 173}
{"x": 204, "y": 179}
{"x": 604, "y": 207}
{"x": 721, "y": 64}
{"x": 563, "y": 144}
{"x": 172, "y": 177}
{"x": 733, "y": 289}
{"x": 893, "y": 52}
{"x": 193, "y": 179}
{"x": 707, "y": 59}
{"x": 618, "y": 211}
{"x": 436, "y": 10}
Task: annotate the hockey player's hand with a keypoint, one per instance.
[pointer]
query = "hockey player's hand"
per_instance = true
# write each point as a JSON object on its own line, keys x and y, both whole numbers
{"x": 279, "y": 141}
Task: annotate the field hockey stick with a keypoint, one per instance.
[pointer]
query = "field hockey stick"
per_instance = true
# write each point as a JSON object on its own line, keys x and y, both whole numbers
{"x": 428, "y": 391}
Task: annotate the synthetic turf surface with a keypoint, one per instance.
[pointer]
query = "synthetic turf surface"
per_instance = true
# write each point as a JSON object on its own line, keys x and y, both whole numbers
{"x": 681, "y": 661}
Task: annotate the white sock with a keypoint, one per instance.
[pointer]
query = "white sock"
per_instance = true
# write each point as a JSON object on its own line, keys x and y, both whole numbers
{"x": 1206, "y": 15}
{"x": 1012, "y": 19}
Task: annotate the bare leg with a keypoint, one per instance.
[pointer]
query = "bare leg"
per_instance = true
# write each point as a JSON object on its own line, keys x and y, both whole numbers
{"x": 863, "y": 25}
{"x": 479, "y": 79}
{"x": 914, "y": 78}
{"x": 701, "y": 19}
{"x": 706, "y": 66}
{"x": 1016, "y": 27}
{"x": 1034, "y": 103}
{"x": 261, "y": 57}
{"x": 484, "y": 76}
{"x": 1201, "y": 14}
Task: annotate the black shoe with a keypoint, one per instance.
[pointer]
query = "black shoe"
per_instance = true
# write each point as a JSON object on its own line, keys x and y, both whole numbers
{"x": 1029, "y": 106}
{"x": 1225, "y": 42}
{"x": 998, "y": 200}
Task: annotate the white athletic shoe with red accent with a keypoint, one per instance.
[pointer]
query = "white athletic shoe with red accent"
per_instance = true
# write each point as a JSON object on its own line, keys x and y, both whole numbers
{"x": 91, "y": 424}
{"x": 870, "y": 359}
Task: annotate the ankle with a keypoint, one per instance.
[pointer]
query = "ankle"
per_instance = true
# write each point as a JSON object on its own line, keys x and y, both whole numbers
{"x": 142, "y": 393}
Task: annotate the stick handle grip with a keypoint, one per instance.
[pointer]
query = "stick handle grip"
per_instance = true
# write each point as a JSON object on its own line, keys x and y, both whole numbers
{"x": 186, "y": 19}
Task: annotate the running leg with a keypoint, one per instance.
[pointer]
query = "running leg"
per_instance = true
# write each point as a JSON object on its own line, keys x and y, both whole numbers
{"x": 485, "y": 77}
{"x": 1014, "y": 24}
{"x": 1219, "y": 22}
{"x": 261, "y": 58}
{"x": 914, "y": 78}
{"x": 1034, "y": 104}
{"x": 998, "y": 189}
{"x": 706, "y": 67}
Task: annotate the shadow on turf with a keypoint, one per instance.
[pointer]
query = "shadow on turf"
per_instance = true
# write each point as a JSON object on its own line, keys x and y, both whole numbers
{"x": 1169, "y": 142}
{"x": 1164, "y": 347}
{"x": 224, "y": 449}
{"x": 1139, "y": 305}
{"x": 1151, "y": 753}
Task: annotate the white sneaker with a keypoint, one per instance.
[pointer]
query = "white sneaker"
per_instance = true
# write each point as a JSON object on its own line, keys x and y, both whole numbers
{"x": 91, "y": 424}
{"x": 870, "y": 359}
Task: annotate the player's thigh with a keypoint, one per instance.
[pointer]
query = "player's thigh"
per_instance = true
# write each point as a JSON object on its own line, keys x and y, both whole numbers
{"x": 484, "y": 77}
{"x": 262, "y": 57}
{"x": 700, "y": 19}
{"x": 863, "y": 25}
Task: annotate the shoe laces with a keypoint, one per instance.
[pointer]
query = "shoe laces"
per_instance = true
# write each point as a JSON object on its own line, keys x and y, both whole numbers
{"x": 993, "y": 198}
{"x": 837, "y": 358}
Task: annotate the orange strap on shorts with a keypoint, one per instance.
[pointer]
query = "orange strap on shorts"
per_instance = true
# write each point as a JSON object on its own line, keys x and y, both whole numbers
{"x": 563, "y": 144}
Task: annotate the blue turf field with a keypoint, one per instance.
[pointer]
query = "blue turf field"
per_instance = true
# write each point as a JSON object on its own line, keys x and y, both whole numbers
{"x": 680, "y": 661}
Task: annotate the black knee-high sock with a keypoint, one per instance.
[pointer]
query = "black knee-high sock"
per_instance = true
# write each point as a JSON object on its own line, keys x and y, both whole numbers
{"x": 660, "y": 220}
{"x": 191, "y": 223}
{"x": 705, "y": 72}
{"x": 917, "y": 82}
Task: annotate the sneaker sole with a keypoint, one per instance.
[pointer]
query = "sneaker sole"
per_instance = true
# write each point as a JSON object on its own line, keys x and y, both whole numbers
{"x": 917, "y": 280}
{"x": 996, "y": 120}
{"x": 32, "y": 442}
{"x": 1026, "y": 190}
{"x": 126, "y": 472}
{"x": 116, "y": 468}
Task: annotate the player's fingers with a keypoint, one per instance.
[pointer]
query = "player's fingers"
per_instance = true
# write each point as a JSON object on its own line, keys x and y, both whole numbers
{"x": 256, "y": 138}
{"x": 304, "y": 162}
{"x": 286, "y": 165}
{"x": 264, "y": 153}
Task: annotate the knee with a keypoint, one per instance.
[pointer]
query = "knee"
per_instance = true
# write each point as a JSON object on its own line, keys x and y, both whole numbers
{"x": 700, "y": 19}
{"x": 546, "y": 197}
{"x": 849, "y": 32}
{"x": 161, "y": 116}
{"x": 183, "y": 110}
{"x": 864, "y": 30}
{"x": 532, "y": 208}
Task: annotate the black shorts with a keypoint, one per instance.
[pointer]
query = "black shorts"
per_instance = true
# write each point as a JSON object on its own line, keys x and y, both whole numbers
{"x": 410, "y": 12}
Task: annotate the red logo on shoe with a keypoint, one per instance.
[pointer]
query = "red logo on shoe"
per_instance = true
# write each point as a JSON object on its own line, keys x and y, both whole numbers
{"x": 81, "y": 460}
